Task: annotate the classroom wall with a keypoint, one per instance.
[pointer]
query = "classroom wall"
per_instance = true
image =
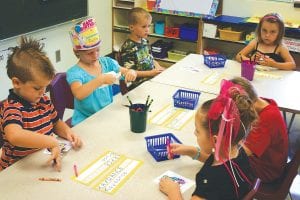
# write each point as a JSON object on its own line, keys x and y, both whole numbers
{"x": 57, "y": 38}
{"x": 247, "y": 8}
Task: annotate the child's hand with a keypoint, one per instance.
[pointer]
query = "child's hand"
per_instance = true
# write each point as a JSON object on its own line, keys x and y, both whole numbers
{"x": 108, "y": 79}
{"x": 55, "y": 158}
{"x": 75, "y": 140}
{"x": 130, "y": 75}
{"x": 179, "y": 149}
{"x": 267, "y": 61}
{"x": 258, "y": 57}
{"x": 169, "y": 187}
{"x": 155, "y": 71}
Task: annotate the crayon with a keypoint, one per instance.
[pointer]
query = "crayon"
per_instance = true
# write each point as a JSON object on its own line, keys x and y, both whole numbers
{"x": 50, "y": 179}
{"x": 75, "y": 170}
{"x": 170, "y": 155}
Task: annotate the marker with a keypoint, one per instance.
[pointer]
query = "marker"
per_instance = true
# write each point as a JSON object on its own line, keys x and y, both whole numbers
{"x": 170, "y": 155}
{"x": 50, "y": 179}
{"x": 149, "y": 103}
{"x": 129, "y": 100}
{"x": 75, "y": 170}
{"x": 147, "y": 100}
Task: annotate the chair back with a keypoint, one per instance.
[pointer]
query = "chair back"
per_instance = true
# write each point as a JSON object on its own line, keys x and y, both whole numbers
{"x": 61, "y": 94}
{"x": 281, "y": 188}
{"x": 253, "y": 191}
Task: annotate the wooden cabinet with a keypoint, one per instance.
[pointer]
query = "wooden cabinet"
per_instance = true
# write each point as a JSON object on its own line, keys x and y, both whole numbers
{"x": 120, "y": 28}
{"x": 238, "y": 24}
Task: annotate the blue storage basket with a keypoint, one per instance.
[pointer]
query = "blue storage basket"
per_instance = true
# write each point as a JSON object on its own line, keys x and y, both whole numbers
{"x": 157, "y": 146}
{"x": 186, "y": 99}
{"x": 189, "y": 32}
{"x": 214, "y": 61}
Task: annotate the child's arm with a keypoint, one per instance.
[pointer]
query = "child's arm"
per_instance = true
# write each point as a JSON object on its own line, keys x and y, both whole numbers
{"x": 64, "y": 131}
{"x": 129, "y": 74}
{"x": 149, "y": 73}
{"x": 157, "y": 66}
{"x": 191, "y": 151}
{"x": 81, "y": 91}
{"x": 18, "y": 136}
{"x": 288, "y": 64}
{"x": 243, "y": 54}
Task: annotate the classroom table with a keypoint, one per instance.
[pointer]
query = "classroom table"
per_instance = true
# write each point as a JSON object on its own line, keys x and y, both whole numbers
{"x": 107, "y": 129}
{"x": 192, "y": 73}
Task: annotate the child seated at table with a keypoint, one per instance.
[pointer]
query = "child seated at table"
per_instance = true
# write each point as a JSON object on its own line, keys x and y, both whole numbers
{"x": 135, "y": 52}
{"x": 27, "y": 117}
{"x": 91, "y": 78}
{"x": 267, "y": 143}
{"x": 221, "y": 124}
{"x": 267, "y": 49}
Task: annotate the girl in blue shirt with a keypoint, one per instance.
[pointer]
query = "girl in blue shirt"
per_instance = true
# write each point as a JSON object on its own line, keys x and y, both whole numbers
{"x": 91, "y": 78}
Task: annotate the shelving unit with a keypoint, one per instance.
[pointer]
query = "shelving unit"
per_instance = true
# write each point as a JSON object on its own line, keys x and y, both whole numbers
{"x": 231, "y": 48}
{"x": 121, "y": 31}
{"x": 226, "y": 47}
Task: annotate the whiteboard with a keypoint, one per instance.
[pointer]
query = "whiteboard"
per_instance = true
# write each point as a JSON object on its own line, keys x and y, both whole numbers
{"x": 194, "y": 6}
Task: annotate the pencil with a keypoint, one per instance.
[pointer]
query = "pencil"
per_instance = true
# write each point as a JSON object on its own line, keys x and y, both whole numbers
{"x": 49, "y": 179}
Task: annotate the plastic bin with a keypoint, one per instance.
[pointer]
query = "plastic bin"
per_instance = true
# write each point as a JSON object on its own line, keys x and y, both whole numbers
{"x": 230, "y": 35}
{"x": 186, "y": 99}
{"x": 151, "y": 4}
{"x": 172, "y": 32}
{"x": 157, "y": 146}
{"x": 189, "y": 32}
{"x": 160, "y": 48}
{"x": 159, "y": 27}
{"x": 214, "y": 61}
{"x": 176, "y": 55}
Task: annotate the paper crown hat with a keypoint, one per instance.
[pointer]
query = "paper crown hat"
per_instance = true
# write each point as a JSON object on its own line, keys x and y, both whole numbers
{"x": 84, "y": 35}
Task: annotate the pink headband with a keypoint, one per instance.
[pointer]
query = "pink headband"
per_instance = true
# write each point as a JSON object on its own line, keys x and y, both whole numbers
{"x": 225, "y": 107}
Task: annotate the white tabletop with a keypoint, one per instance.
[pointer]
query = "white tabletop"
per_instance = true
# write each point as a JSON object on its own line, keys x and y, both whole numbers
{"x": 106, "y": 130}
{"x": 192, "y": 73}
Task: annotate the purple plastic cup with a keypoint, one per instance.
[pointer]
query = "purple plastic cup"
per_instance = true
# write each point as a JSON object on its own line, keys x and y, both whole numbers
{"x": 247, "y": 69}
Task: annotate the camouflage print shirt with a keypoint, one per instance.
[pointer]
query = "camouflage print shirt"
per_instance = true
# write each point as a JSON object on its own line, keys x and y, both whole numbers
{"x": 137, "y": 56}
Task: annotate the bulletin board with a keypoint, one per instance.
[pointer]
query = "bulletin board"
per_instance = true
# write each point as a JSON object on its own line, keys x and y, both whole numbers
{"x": 188, "y": 7}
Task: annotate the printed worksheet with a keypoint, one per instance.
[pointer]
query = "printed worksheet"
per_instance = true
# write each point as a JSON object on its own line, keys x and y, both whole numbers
{"x": 109, "y": 172}
{"x": 172, "y": 117}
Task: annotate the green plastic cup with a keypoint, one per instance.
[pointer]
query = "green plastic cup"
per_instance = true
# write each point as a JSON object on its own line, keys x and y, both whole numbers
{"x": 138, "y": 118}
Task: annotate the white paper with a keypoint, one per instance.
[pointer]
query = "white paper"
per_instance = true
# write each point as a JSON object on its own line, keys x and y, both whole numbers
{"x": 64, "y": 146}
{"x": 184, "y": 183}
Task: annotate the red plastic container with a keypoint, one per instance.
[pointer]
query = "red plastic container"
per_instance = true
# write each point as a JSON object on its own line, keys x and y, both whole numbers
{"x": 151, "y": 4}
{"x": 172, "y": 32}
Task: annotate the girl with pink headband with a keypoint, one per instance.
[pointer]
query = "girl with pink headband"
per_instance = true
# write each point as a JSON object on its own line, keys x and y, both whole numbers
{"x": 221, "y": 125}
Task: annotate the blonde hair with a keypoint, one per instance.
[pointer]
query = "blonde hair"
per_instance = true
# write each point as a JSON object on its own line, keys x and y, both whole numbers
{"x": 135, "y": 14}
